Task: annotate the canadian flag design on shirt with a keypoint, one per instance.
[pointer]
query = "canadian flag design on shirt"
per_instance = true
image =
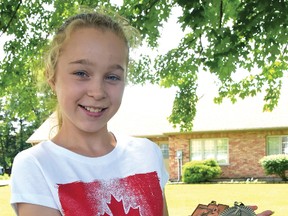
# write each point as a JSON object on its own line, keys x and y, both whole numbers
{"x": 136, "y": 195}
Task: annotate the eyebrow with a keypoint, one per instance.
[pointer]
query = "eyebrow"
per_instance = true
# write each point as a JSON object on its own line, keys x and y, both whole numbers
{"x": 89, "y": 63}
{"x": 81, "y": 61}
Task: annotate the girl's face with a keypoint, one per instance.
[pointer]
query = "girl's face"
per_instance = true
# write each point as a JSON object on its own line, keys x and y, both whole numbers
{"x": 90, "y": 78}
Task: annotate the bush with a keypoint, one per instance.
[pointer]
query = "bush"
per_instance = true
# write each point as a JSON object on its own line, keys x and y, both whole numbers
{"x": 275, "y": 164}
{"x": 200, "y": 171}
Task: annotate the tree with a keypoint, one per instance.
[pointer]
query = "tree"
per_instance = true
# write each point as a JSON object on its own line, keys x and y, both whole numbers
{"x": 221, "y": 36}
{"x": 13, "y": 136}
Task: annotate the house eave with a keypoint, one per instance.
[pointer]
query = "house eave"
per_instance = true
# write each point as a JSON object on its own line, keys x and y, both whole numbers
{"x": 226, "y": 130}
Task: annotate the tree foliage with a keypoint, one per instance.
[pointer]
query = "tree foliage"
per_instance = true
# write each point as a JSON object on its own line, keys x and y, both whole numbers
{"x": 14, "y": 133}
{"x": 221, "y": 37}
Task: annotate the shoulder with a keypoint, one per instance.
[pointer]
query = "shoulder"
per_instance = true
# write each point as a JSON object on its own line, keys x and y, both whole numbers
{"x": 33, "y": 151}
{"x": 142, "y": 145}
{"x": 31, "y": 156}
{"x": 136, "y": 141}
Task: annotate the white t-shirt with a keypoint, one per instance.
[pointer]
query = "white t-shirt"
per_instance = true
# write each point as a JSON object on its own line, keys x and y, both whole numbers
{"x": 127, "y": 181}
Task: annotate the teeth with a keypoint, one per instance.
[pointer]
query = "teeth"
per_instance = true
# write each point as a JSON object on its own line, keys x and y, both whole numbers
{"x": 91, "y": 109}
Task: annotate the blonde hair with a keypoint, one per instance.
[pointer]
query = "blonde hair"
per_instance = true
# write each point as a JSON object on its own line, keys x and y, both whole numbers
{"x": 85, "y": 20}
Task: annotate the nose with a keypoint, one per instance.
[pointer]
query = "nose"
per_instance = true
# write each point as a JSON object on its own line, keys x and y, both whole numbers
{"x": 96, "y": 89}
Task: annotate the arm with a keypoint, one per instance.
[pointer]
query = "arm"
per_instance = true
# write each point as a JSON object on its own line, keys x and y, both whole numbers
{"x": 25, "y": 209}
{"x": 30, "y": 191}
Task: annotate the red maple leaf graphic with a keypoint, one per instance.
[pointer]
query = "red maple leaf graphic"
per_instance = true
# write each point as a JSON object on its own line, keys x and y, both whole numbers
{"x": 117, "y": 208}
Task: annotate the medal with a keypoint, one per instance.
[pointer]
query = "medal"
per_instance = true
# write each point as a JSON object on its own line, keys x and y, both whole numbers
{"x": 239, "y": 209}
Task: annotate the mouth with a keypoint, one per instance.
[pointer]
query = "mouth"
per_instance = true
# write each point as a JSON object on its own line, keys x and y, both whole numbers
{"x": 92, "y": 109}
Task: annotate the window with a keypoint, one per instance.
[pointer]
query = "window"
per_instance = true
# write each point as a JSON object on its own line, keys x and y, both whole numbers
{"x": 277, "y": 145}
{"x": 202, "y": 149}
{"x": 165, "y": 150}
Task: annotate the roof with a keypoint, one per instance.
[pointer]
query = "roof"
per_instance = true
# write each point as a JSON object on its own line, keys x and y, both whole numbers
{"x": 145, "y": 109}
{"x": 245, "y": 114}
{"x": 46, "y": 131}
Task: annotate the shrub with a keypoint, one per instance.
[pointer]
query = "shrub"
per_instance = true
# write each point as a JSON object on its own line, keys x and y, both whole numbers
{"x": 200, "y": 171}
{"x": 275, "y": 164}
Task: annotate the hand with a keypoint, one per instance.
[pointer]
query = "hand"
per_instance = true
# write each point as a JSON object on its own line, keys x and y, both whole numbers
{"x": 264, "y": 213}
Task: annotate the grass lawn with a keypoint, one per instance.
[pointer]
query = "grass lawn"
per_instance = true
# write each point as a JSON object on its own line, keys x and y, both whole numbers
{"x": 5, "y": 209}
{"x": 182, "y": 199}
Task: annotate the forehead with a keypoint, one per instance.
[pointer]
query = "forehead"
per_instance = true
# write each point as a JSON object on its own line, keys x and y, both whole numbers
{"x": 95, "y": 44}
{"x": 97, "y": 33}
{"x": 117, "y": 30}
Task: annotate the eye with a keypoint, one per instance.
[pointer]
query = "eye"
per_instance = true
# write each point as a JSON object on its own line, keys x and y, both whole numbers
{"x": 81, "y": 74}
{"x": 113, "y": 77}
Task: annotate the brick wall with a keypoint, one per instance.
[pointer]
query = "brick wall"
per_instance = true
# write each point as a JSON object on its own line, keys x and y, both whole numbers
{"x": 246, "y": 148}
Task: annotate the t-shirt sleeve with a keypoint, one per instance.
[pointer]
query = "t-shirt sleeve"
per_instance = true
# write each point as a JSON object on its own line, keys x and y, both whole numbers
{"x": 28, "y": 184}
{"x": 163, "y": 174}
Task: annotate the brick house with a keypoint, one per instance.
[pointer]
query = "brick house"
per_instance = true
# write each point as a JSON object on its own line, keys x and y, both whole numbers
{"x": 236, "y": 135}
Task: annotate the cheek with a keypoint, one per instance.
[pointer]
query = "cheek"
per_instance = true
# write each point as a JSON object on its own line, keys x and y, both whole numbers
{"x": 65, "y": 91}
{"x": 118, "y": 94}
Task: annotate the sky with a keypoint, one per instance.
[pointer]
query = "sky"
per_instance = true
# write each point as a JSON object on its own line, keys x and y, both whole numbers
{"x": 2, "y": 41}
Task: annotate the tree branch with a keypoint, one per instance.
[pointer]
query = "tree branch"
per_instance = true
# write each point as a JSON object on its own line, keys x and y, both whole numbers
{"x": 12, "y": 17}
{"x": 221, "y": 14}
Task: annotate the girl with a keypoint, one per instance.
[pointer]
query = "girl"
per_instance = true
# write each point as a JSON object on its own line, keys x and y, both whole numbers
{"x": 85, "y": 169}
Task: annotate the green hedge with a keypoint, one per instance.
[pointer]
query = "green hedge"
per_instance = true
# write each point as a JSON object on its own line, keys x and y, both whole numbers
{"x": 275, "y": 165}
{"x": 200, "y": 171}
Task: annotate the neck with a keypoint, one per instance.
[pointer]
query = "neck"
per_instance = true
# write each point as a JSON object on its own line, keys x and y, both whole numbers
{"x": 94, "y": 144}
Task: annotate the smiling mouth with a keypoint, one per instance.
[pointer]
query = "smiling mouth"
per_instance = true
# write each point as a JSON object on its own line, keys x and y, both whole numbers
{"x": 93, "y": 109}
